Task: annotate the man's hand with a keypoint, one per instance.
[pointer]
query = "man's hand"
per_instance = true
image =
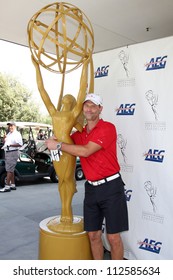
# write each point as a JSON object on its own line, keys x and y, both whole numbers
{"x": 51, "y": 143}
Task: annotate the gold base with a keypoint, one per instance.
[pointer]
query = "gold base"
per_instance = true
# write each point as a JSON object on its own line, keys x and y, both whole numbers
{"x": 63, "y": 245}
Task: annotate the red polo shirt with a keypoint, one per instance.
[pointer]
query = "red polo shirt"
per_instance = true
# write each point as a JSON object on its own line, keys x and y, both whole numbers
{"x": 102, "y": 163}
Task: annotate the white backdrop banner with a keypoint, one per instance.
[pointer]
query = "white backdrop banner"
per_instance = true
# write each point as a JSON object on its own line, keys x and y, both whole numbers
{"x": 136, "y": 84}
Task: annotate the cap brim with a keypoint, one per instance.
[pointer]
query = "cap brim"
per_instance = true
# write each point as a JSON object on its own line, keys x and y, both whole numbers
{"x": 11, "y": 123}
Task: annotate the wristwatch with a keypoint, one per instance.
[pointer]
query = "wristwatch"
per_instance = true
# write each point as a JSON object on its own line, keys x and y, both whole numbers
{"x": 59, "y": 146}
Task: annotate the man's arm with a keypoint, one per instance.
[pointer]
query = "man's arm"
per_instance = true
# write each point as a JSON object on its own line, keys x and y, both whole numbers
{"x": 15, "y": 145}
{"x": 75, "y": 150}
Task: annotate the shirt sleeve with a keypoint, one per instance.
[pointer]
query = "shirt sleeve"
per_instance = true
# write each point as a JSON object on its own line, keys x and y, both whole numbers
{"x": 19, "y": 139}
{"x": 105, "y": 135}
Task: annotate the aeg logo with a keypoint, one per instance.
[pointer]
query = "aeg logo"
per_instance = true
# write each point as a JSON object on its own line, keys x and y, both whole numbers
{"x": 126, "y": 109}
{"x": 128, "y": 194}
{"x": 151, "y": 246}
{"x": 156, "y": 63}
{"x": 155, "y": 155}
{"x": 102, "y": 71}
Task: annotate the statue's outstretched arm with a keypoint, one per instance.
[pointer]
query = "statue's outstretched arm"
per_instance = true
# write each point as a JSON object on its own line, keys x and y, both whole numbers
{"x": 78, "y": 114}
{"x": 80, "y": 122}
{"x": 83, "y": 86}
{"x": 77, "y": 111}
{"x": 44, "y": 95}
{"x": 91, "y": 80}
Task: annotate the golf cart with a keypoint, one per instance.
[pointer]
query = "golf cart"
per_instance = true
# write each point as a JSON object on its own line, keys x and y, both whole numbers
{"x": 34, "y": 159}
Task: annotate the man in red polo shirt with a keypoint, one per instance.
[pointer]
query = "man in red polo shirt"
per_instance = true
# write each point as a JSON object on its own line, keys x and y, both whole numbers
{"x": 104, "y": 188}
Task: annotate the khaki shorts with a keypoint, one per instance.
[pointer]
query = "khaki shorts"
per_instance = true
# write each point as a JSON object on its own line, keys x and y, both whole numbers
{"x": 11, "y": 158}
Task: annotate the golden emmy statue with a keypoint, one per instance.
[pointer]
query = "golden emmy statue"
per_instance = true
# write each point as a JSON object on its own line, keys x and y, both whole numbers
{"x": 61, "y": 40}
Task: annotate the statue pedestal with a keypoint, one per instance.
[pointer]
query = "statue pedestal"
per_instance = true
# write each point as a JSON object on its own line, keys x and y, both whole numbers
{"x": 63, "y": 245}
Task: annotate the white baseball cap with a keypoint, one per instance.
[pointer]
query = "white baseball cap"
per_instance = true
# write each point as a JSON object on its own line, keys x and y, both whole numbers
{"x": 11, "y": 123}
{"x": 96, "y": 99}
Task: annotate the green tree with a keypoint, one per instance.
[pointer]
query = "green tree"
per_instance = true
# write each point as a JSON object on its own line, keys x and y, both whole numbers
{"x": 17, "y": 102}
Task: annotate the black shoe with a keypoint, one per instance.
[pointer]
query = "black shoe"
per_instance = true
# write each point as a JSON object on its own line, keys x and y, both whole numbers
{"x": 5, "y": 189}
{"x": 13, "y": 188}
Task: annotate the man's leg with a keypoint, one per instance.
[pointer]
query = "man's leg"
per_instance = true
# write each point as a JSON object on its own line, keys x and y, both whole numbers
{"x": 9, "y": 178}
{"x": 96, "y": 244}
{"x": 12, "y": 178}
{"x": 116, "y": 244}
{"x": 7, "y": 187}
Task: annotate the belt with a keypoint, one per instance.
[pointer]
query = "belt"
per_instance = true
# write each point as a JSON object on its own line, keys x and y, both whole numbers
{"x": 102, "y": 181}
{"x": 11, "y": 151}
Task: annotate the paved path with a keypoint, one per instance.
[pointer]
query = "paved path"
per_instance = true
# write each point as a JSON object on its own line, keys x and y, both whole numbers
{"x": 22, "y": 210}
